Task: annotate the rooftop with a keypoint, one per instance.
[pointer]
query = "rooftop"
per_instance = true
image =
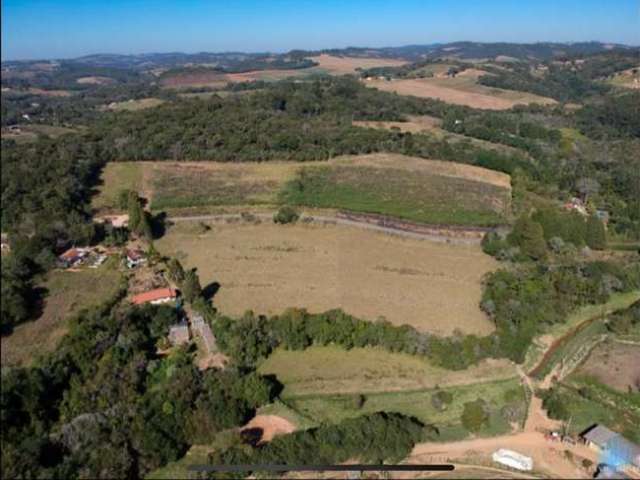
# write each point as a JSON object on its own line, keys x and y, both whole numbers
{"x": 153, "y": 295}
{"x": 599, "y": 434}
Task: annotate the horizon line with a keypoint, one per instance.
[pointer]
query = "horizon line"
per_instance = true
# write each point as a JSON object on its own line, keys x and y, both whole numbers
{"x": 282, "y": 52}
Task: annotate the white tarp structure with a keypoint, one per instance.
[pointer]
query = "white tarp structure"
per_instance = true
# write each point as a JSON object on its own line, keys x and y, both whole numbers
{"x": 513, "y": 459}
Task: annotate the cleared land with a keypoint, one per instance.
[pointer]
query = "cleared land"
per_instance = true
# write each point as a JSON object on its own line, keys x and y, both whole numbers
{"x": 135, "y": 105}
{"x": 416, "y": 189}
{"x": 68, "y": 293}
{"x": 345, "y": 65}
{"x": 334, "y": 408}
{"x": 95, "y": 80}
{"x": 268, "y": 268}
{"x": 614, "y": 364}
{"x": 193, "y": 184}
{"x": 431, "y": 126}
{"x": 333, "y": 370}
{"x": 29, "y": 133}
{"x": 460, "y": 90}
{"x": 115, "y": 177}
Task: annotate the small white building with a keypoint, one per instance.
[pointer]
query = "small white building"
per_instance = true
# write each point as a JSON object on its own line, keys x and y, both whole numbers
{"x": 513, "y": 459}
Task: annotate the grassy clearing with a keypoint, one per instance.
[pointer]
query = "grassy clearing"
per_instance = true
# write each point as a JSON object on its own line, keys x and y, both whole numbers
{"x": 333, "y": 370}
{"x": 115, "y": 177}
{"x": 413, "y": 195}
{"x": 68, "y": 293}
{"x": 268, "y": 268}
{"x": 193, "y": 184}
{"x": 415, "y": 189}
{"x": 30, "y": 133}
{"x": 135, "y": 105}
{"x": 335, "y": 408}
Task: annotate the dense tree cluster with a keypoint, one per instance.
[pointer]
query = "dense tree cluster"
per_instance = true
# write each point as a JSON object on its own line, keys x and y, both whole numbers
{"x": 105, "y": 406}
{"x": 371, "y": 439}
{"x": 524, "y": 301}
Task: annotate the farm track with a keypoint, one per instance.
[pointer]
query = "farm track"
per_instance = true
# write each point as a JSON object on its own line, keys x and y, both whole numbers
{"x": 453, "y": 234}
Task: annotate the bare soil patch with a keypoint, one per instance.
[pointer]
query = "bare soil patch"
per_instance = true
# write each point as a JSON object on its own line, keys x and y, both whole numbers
{"x": 95, "y": 80}
{"x": 268, "y": 268}
{"x": 270, "y": 425}
{"x": 615, "y": 364}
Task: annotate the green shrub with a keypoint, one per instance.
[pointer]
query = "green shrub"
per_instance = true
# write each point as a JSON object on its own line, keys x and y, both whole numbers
{"x": 286, "y": 214}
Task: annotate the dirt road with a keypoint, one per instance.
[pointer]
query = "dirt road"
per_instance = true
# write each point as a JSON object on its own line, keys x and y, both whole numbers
{"x": 443, "y": 238}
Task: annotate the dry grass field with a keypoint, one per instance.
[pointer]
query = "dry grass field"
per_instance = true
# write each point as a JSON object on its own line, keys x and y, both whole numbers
{"x": 345, "y": 65}
{"x": 68, "y": 293}
{"x": 95, "y": 80}
{"x": 135, "y": 105}
{"x": 427, "y": 191}
{"x": 460, "y": 90}
{"x": 268, "y": 268}
{"x": 193, "y": 184}
{"x": 615, "y": 364}
{"x": 333, "y": 370}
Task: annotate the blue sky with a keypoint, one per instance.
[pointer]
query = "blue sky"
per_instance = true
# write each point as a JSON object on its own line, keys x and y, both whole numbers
{"x": 66, "y": 28}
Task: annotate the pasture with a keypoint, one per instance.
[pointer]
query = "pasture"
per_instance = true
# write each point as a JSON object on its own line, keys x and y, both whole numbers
{"x": 134, "y": 105}
{"x": 196, "y": 184}
{"x": 418, "y": 403}
{"x": 115, "y": 177}
{"x": 346, "y": 65}
{"x": 333, "y": 370}
{"x": 416, "y": 189}
{"x": 267, "y": 268}
{"x": 459, "y": 90}
{"x": 614, "y": 364}
{"x": 424, "y": 191}
{"x": 68, "y": 292}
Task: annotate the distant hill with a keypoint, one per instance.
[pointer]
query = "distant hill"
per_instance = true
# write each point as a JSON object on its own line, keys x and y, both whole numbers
{"x": 239, "y": 61}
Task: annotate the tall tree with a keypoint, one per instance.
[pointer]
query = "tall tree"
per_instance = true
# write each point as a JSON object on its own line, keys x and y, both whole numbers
{"x": 529, "y": 236}
{"x": 191, "y": 288}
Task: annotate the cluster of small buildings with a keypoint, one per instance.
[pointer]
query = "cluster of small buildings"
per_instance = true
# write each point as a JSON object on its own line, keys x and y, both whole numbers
{"x": 77, "y": 256}
{"x": 575, "y": 204}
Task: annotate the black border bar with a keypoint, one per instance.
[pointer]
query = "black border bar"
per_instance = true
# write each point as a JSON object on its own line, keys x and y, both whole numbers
{"x": 322, "y": 468}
